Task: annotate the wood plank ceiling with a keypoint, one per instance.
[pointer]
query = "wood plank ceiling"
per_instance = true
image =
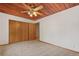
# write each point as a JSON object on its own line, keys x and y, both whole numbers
{"x": 49, "y": 9}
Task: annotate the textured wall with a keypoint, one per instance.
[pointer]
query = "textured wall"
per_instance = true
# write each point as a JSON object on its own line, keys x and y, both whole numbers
{"x": 62, "y": 29}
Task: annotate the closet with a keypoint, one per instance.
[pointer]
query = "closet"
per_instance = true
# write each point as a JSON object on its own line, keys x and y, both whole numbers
{"x": 21, "y": 31}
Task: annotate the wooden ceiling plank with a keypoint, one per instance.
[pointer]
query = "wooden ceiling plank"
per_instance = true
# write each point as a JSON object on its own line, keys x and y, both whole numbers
{"x": 58, "y": 6}
{"x": 67, "y": 5}
{"x": 49, "y": 8}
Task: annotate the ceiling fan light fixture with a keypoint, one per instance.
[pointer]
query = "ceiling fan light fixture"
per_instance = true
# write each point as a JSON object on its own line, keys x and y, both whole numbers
{"x": 34, "y": 13}
{"x": 31, "y": 15}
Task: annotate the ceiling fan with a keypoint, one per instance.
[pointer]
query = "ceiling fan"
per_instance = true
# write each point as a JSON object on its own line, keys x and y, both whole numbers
{"x": 32, "y": 10}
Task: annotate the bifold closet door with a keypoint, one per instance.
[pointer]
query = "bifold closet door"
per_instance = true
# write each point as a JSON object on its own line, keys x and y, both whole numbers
{"x": 25, "y": 33}
{"x": 12, "y": 31}
{"x": 18, "y": 31}
{"x": 32, "y": 31}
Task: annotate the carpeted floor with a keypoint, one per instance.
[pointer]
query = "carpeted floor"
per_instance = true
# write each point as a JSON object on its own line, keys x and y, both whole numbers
{"x": 35, "y": 48}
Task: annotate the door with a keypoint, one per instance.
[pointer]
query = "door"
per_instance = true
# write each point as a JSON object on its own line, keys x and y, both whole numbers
{"x": 25, "y": 33}
{"x": 32, "y": 31}
{"x": 12, "y": 31}
{"x": 18, "y": 31}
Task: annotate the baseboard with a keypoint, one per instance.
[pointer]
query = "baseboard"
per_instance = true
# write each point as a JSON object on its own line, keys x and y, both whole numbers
{"x": 59, "y": 46}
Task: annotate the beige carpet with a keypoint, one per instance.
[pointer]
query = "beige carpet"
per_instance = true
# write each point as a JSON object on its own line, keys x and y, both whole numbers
{"x": 35, "y": 48}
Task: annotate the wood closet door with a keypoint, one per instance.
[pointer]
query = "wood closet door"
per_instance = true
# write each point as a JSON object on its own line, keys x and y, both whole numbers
{"x": 25, "y": 33}
{"x": 18, "y": 31}
{"x": 32, "y": 31}
{"x": 12, "y": 31}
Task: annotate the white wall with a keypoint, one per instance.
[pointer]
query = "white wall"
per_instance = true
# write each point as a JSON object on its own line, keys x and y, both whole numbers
{"x": 62, "y": 29}
{"x": 4, "y": 26}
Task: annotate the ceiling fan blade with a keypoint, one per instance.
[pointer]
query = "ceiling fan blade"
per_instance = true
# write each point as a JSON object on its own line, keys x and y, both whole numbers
{"x": 24, "y": 11}
{"x": 26, "y": 6}
{"x": 40, "y": 13}
{"x": 38, "y": 8}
